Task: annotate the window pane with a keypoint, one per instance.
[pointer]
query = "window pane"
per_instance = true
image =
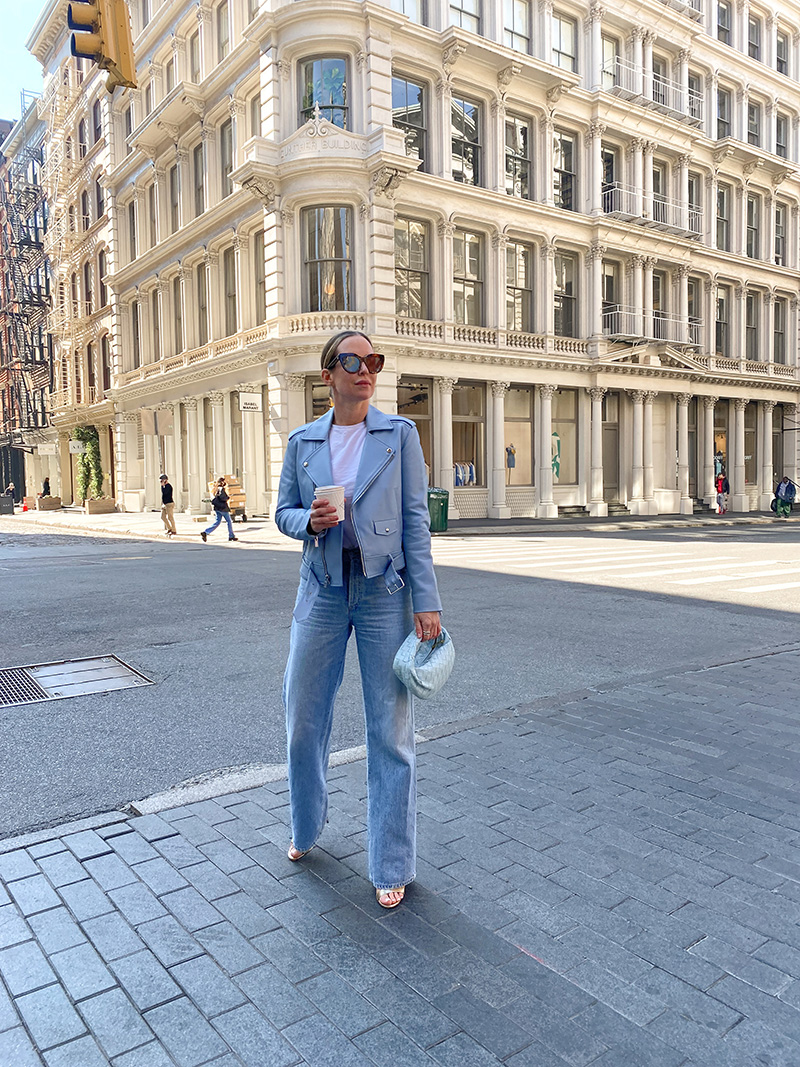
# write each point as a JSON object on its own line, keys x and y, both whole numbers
{"x": 325, "y": 83}
{"x": 327, "y": 258}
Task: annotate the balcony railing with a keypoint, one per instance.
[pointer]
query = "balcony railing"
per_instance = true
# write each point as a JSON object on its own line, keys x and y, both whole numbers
{"x": 621, "y": 200}
{"x": 62, "y": 399}
{"x": 625, "y": 79}
{"x": 674, "y": 215}
{"x": 692, "y": 8}
{"x": 631, "y": 323}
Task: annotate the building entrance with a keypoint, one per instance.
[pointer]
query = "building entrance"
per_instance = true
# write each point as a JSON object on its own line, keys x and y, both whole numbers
{"x": 611, "y": 447}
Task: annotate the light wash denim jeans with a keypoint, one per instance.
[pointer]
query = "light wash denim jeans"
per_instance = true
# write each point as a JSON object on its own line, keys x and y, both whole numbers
{"x": 220, "y": 515}
{"x": 381, "y": 622}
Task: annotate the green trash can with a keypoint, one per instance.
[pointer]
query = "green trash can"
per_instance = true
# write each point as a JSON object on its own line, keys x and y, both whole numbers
{"x": 438, "y": 500}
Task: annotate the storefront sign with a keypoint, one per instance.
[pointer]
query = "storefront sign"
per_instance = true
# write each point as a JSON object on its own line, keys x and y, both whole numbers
{"x": 250, "y": 402}
{"x": 50, "y": 448}
{"x": 77, "y": 448}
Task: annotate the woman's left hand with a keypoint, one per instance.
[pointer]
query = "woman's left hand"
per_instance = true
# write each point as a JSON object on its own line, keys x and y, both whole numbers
{"x": 428, "y": 625}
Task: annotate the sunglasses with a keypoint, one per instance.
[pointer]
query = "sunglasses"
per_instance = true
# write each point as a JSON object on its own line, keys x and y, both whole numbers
{"x": 352, "y": 363}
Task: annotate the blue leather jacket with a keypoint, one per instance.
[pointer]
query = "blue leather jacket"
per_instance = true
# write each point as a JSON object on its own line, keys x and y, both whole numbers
{"x": 389, "y": 506}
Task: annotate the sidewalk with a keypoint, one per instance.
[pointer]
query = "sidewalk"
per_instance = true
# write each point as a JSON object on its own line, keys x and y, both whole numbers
{"x": 612, "y": 879}
{"x": 263, "y": 530}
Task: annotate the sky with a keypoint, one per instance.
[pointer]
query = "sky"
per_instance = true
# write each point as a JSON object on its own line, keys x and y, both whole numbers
{"x": 18, "y": 69}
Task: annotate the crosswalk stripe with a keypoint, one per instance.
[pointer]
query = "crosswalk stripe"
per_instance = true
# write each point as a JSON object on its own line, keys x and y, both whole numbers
{"x": 698, "y": 567}
{"x": 723, "y": 577}
{"x": 769, "y": 588}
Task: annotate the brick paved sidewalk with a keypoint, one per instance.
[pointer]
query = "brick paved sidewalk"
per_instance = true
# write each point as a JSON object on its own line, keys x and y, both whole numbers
{"x": 613, "y": 880}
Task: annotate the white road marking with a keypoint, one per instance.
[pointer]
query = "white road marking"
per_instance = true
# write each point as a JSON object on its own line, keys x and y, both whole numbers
{"x": 724, "y": 577}
{"x": 769, "y": 588}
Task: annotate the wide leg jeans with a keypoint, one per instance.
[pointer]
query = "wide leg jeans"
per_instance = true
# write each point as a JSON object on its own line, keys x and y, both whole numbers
{"x": 381, "y": 622}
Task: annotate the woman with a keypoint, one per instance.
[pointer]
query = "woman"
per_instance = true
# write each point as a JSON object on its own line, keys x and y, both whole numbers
{"x": 219, "y": 503}
{"x": 372, "y": 573}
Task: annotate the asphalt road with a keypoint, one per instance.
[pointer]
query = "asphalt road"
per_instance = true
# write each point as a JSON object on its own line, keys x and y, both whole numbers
{"x": 530, "y": 616}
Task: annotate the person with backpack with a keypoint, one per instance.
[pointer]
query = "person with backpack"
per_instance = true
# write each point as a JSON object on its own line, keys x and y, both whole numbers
{"x": 785, "y": 493}
{"x": 219, "y": 502}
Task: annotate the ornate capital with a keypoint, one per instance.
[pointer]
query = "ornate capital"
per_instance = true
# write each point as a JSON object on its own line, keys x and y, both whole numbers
{"x": 189, "y": 402}
{"x": 294, "y": 382}
{"x": 709, "y": 402}
{"x": 203, "y": 14}
{"x": 499, "y": 389}
{"x": 507, "y": 75}
{"x": 210, "y": 258}
{"x": 216, "y": 399}
{"x": 546, "y": 391}
{"x": 236, "y": 108}
{"x": 596, "y": 251}
{"x": 548, "y": 250}
{"x": 284, "y": 69}
{"x": 264, "y": 190}
{"x": 767, "y": 406}
{"x": 597, "y": 393}
{"x": 386, "y": 182}
{"x": 446, "y": 229}
{"x": 446, "y": 385}
{"x": 685, "y": 161}
{"x": 361, "y": 61}
{"x": 740, "y": 403}
{"x": 596, "y": 128}
{"x": 499, "y": 240}
{"x": 636, "y": 395}
{"x": 683, "y": 399}
{"x": 649, "y": 396}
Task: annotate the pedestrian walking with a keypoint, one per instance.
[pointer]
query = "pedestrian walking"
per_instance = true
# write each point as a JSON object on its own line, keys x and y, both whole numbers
{"x": 371, "y": 572}
{"x": 46, "y": 487}
{"x": 219, "y": 503}
{"x": 167, "y": 507}
{"x": 785, "y": 493}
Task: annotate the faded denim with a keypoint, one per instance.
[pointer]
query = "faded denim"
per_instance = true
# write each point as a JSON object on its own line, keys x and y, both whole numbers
{"x": 220, "y": 515}
{"x": 325, "y": 616}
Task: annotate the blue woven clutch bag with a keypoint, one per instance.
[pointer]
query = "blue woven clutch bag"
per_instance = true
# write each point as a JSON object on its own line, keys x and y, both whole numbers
{"x": 424, "y": 666}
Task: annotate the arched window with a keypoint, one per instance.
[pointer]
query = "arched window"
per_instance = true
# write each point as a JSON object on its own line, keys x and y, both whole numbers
{"x": 99, "y": 198}
{"x": 105, "y": 363}
{"x": 86, "y": 219}
{"x": 83, "y": 144}
{"x": 87, "y": 287}
{"x": 97, "y": 121}
{"x": 102, "y": 288}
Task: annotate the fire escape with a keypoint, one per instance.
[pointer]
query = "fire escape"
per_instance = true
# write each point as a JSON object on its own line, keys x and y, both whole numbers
{"x": 25, "y": 343}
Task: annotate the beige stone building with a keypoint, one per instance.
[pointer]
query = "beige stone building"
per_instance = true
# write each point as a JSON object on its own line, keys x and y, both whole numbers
{"x": 572, "y": 230}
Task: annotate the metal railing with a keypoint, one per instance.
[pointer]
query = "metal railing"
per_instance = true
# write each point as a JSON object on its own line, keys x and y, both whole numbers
{"x": 671, "y": 214}
{"x": 623, "y": 321}
{"x": 630, "y": 81}
{"x": 619, "y": 199}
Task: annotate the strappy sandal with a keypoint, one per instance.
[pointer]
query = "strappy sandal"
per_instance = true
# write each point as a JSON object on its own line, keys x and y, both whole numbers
{"x": 381, "y": 896}
{"x": 295, "y": 854}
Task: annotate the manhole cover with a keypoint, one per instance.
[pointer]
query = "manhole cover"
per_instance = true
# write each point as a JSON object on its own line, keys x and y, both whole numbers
{"x": 67, "y": 678}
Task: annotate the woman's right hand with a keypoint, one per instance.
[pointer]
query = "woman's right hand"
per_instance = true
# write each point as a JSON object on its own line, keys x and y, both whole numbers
{"x": 323, "y": 516}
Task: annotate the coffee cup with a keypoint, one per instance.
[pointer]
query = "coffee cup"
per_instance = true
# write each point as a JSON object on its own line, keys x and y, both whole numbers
{"x": 334, "y": 494}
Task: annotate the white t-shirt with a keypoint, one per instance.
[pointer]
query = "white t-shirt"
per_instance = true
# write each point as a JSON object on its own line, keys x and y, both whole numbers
{"x": 346, "y": 445}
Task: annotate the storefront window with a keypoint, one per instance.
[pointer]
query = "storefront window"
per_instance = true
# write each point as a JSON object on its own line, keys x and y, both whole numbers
{"x": 469, "y": 433}
{"x": 518, "y": 435}
{"x": 564, "y": 440}
{"x": 750, "y": 455}
{"x": 318, "y": 398}
{"x": 414, "y": 402}
{"x": 720, "y": 438}
{"x": 777, "y": 445}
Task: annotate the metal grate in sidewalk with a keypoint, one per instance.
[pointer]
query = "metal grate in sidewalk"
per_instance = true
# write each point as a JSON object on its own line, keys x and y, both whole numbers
{"x": 66, "y": 678}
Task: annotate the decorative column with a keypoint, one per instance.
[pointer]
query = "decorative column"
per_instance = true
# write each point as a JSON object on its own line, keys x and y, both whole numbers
{"x": 178, "y": 445}
{"x": 547, "y": 508}
{"x": 213, "y": 300}
{"x": 548, "y": 189}
{"x": 596, "y": 253}
{"x": 227, "y": 434}
{"x": 496, "y": 177}
{"x": 185, "y": 186}
{"x": 791, "y": 413}
{"x": 767, "y": 472}
{"x": 740, "y": 338}
{"x": 444, "y": 444}
{"x": 446, "y": 230}
{"x": 192, "y": 456}
{"x": 647, "y": 455}
{"x": 597, "y": 505}
{"x": 162, "y": 203}
{"x": 709, "y": 310}
{"x": 152, "y": 470}
{"x": 548, "y": 255}
{"x": 649, "y": 326}
{"x": 635, "y": 51}
{"x": 686, "y": 504}
{"x": 636, "y": 268}
{"x": 683, "y": 191}
{"x": 596, "y": 131}
{"x": 254, "y": 474}
{"x": 739, "y": 501}
{"x": 496, "y": 307}
{"x": 636, "y": 147}
{"x": 648, "y": 39}
{"x": 636, "y": 502}
{"x": 647, "y": 206}
{"x": 498, "y": 509}
{"x": 682, "y": 277}
{"x": 709, "y": 489}
{"x": 217, "y": 399}
{"x": 683, "y": 77}
{"x": 768, "y": 333}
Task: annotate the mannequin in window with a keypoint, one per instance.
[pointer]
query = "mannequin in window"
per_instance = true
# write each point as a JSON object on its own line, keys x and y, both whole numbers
{"x": 511, "y": 462}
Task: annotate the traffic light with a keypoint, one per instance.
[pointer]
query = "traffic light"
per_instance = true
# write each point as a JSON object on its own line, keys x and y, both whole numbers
{"x": 104, "y": 36}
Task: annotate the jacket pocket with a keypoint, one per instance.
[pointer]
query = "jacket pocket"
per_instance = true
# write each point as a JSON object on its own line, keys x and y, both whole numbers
{"x": 383, "y": 527}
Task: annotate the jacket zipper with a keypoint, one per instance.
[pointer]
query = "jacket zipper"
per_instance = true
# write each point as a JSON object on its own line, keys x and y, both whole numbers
{"x": 353, "y": 503}
{"x": 317, "y": 544}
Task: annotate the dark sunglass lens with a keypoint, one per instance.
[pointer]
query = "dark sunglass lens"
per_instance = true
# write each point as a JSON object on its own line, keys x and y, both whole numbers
{"x": 374, "y": 363}
{"x": 350, "y": 361}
